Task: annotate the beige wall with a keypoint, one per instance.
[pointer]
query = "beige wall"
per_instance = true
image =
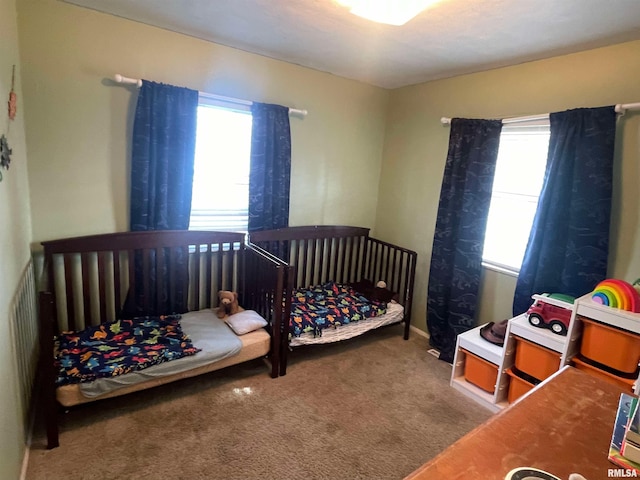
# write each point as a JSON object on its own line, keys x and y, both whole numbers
{"x": 416, "y": 147}
{"x": 79, "y": 120}
{"x": 15, "y": 234}
{"x": 79, "y": 123}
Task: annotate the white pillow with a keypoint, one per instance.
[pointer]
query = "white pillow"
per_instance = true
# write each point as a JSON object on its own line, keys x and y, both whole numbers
{"x": 245, "y": 321}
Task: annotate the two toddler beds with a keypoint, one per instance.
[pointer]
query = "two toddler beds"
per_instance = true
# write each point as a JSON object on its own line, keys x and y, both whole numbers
{"x": 132, "y": 301}
{"x": 142, "y": 289}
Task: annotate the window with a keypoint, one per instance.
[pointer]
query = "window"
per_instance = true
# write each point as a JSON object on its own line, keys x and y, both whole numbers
{"x": 522, "y": 158}
{"x": 220, "y": 198}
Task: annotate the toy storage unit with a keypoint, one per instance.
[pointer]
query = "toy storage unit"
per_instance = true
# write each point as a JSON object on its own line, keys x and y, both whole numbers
{"x": 601, "y": 340}
{"x": 530, "y": 354}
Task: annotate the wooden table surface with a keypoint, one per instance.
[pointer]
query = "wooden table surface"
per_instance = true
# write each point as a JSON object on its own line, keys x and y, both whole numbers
{"x": 563, "y": 427}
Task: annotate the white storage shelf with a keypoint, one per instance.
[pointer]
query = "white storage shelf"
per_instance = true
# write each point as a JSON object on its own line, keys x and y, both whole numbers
{"x": 472, "y": 342}
{"x": 484, "y": 398}
{"x": 521, "y": 327}
{"x": 611, "y": 316}
{"x": 503, "y": 357}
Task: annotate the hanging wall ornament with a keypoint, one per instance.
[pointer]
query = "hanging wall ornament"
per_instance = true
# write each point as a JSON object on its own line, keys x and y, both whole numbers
{"x": 5, "y": 155}
{"x": 13, "y": 98}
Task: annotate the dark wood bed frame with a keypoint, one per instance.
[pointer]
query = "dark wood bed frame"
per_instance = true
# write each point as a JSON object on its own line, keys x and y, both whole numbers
{"x": 343, "y": 254}
{"x": 86, "y": 281}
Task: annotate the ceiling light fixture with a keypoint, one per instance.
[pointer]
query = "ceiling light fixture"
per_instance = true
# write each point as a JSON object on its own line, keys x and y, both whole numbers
{"x": 392, "y": 12}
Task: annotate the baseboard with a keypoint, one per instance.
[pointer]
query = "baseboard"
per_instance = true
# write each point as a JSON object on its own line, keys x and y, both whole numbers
{"x": 27, "y": 447}
{"x": 419, "y": 331}
{"x": 30, "y": 429}
{"x": 25, "y": 462}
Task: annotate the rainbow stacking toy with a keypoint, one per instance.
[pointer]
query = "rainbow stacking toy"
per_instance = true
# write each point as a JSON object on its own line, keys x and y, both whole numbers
{"x": 617, "y": 294}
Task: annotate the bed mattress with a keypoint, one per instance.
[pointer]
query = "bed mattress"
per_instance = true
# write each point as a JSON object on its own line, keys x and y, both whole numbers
{"x": 197, "y": 325}
{"x": 395, "y": 313}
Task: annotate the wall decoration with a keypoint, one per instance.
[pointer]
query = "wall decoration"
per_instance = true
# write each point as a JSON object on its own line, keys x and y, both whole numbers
{"x": 5, "y": 155}
{"x": 5, "y": 151}
{"x": 13, "y": 98}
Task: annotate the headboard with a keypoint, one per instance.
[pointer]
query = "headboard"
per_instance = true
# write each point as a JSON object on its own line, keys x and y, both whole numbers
{"x": 95, "y": 278}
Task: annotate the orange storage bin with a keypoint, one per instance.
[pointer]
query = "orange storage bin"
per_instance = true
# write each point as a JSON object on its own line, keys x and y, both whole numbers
{"x": 480, "y": 372}
{"x": 613, "y": 347}
{"x": 518, "y": 386}
{"x": 535, "y": 360}
{"x": 625, "y": 383}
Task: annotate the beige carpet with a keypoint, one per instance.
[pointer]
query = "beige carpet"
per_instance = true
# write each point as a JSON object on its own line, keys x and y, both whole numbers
{"x": 376, "y": 407}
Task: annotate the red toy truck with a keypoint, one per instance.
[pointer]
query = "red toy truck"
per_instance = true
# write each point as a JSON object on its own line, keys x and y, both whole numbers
{"x": 551, "y": 310}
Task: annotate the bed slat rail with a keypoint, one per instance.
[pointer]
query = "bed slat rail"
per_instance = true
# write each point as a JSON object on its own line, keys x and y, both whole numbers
{"x": 264, "y": 289}
{"x": 321, "y": 253}
{"x": 397, "y": 267}
{"x": 99, "y": 278}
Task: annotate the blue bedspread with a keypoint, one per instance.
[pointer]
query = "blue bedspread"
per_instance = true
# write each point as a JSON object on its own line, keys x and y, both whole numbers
{"x": 119, "y": 347}
{"x": 329, "y": 305}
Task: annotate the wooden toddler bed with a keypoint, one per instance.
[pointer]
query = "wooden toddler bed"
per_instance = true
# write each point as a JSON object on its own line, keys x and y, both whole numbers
{"x": 151, "y": 295}
{"x": 334, "y": 283}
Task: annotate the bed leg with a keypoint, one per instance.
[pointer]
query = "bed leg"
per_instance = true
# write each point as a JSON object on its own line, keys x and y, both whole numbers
{"x": 407, "y": 328}
{"x": 49, "y": 405}
{"x": 48, "y": 402}
{"x": 48, "y": 408}
{"x": 52, "y": 428}
{"x": 275, "y": 361}
{"x": 274, "y": 355}
{"x": 284, "y": 351}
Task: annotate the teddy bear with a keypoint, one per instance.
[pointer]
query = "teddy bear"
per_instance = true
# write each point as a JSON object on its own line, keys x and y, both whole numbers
{"x": 227, "y": 304}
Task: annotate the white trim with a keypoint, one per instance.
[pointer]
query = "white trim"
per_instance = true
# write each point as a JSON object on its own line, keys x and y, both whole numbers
{"x": 30, "y": 428}
{"x": 419, "y": 331}
{"x": 504, "y": 269}
{"x": 537, "y": 132}
{"x": 25, "y": 461}
{"x": 209, "y": 100}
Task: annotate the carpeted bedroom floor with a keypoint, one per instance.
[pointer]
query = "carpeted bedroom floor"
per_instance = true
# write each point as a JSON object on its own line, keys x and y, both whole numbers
{"x": 376, "y": 407}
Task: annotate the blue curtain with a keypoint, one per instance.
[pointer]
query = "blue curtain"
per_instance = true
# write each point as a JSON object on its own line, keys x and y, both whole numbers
{"x": 456, "y": 256}
{"x": 164, "y": 139}
{"x": 270, "y": 174}
{"x": 568, "y": 245}
{"x": 162, "y": 157}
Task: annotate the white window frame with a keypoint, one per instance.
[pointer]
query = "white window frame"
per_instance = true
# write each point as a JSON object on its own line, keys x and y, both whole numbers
{"x": 206, "y": 100}
{"x": 532, "y": 126}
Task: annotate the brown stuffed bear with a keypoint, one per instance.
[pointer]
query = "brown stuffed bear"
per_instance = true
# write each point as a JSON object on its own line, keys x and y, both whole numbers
{"x": 228, "y": 303}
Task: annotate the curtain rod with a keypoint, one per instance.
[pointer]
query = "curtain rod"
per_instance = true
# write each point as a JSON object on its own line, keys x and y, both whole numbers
{"x": 620, "y": 108}
{"x": 138, "y": 83}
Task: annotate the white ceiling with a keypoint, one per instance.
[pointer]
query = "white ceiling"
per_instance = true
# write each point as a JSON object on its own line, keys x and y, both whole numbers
{"x": 450, "y": 38}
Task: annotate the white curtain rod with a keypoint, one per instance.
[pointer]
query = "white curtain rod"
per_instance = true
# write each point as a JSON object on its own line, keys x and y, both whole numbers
{"x": 138, "y": 83}
{"x": 620, "y": 108}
